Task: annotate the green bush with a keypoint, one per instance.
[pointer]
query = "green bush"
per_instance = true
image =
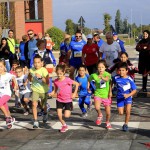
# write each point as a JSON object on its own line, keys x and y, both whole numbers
{"x": 57, "y": 36}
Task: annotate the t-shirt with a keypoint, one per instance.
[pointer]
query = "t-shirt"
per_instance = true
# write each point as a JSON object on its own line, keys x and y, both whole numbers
{"x": 5, "y": 84}
{"x": 76, "y": 49}
{"x": 64, "y": 92}
{"x": 37, "y": 84}
{"x": 91, "y": 52}
{"x": 64, "y": 48}
{"x": 11, "y": 43}
{"x": 83, "y": 81}
{"x": 102, "y": 87}
{"x": 22, "y": 47}
{"x": 100, "y": 42}
{"x": 23, "y": 89}
{"x": 110, "y": 51}
{"x": 32, "y": 47}
{"x": 124, "y": 86}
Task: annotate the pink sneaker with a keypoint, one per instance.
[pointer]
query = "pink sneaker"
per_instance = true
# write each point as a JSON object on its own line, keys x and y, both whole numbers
{"x": 9, "y": 122}
{"x": 108, "y": 125}
{"x": 99, "y": 120}
{"x": 64, "y": 128}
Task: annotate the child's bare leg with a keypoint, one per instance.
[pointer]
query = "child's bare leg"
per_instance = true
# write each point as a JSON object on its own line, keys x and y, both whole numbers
{"x": 108, "y": 113}
{"x": 60, "y": 116}
{"x": 34, "y": 109}
{"x": 128, "y": 112}
{"x": 97, "y": 104}
{"x": 121, "y": 110}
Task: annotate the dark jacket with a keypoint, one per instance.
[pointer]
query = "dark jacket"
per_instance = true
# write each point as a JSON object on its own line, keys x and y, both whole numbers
{"x": 144, "y": 56}
{"x": 5, "y": 52}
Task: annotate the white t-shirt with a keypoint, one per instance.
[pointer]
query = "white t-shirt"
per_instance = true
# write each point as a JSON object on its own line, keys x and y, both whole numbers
{"x": 23, "y": 89}
{"x": 110, "y": 51}
{"x": 5, "y": 84}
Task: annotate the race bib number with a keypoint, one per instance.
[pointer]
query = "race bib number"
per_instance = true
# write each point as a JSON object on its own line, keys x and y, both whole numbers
{"x": 77, "y": 54}
{"x": 102, "y": 84}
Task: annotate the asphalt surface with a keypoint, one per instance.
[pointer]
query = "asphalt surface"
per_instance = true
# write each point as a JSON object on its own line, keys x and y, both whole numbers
{"x": 83, "y": 133}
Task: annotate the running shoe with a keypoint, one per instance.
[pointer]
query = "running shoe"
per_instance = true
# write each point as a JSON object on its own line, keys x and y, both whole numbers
{"x": 84, "y": 115}
{"x": 108, "y": 125}
{"x": 125, "y": 127}
{"x": 35, "y": 124}
{"x": 64, "y": 128}
{"x": 9, "y": 122}
{"x": 99, "y": 120}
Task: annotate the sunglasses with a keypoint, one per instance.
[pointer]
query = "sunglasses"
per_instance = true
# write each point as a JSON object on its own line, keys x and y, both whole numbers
{"x": 78, "y": 36}
{"x": 30, "y": 34}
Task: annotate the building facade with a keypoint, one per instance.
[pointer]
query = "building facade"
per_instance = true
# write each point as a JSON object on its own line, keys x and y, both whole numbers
{"x": 32, "y": 14}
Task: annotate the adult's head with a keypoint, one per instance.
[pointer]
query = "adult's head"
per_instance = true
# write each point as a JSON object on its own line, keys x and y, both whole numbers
{"x": 78, "y": 36}
{"x": 115, "y": 36}
{"x": 109, "y": 38}
{"x": 96, "y": 37}
{"x": 30, "y": 34}
{"x": 146, "y": 34}
{"x": 4, "y": 41}
{"x": 24, "y": 38}
{"x": 10, "y": 33}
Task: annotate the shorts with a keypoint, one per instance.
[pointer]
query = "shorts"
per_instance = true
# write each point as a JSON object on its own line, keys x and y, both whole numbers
{"x": 123, "y": 102}
{"x": 106, "y": 101}
{"x": 60, "y": 105}
{"x": 26, "y": 95}
{"x": 36, "y": 96}
{"x": 75, "y": 62}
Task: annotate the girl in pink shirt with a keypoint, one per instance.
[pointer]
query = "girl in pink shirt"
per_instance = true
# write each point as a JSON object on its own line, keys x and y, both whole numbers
{"x": 63, "y": 87}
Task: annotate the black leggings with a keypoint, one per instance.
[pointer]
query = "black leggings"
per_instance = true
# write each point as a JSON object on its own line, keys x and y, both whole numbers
{"x": 145, "y": 82}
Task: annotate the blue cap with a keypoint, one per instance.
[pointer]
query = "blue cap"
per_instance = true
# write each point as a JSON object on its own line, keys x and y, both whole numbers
{"x": 89, "y": 36}
{"x": 115, "y": 33}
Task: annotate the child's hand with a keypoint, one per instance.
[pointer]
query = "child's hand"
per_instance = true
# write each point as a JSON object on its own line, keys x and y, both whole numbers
{"x": 73, "y": 95}
{"x": 126, "y": 96}
{"x": 38, "y": 75}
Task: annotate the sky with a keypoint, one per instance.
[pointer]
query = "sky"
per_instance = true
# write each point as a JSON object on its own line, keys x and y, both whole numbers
{"x": 137, "y": 11}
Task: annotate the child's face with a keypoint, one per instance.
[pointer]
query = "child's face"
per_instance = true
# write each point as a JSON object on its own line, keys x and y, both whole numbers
{"x": 60, "y": 74}
{"x": 123, "y": 72}
{"x": 123, "y": 58}
{"x": 2, "y": 67}
{"x": 101, "y": 67}
{"x": 82, "y": 71}
{"x": 19, "y": 72}
{"x": 14, "y": 66}
{"x": 38, "y": 63}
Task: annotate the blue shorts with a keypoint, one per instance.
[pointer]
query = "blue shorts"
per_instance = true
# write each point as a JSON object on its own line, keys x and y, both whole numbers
{"x": 123, "y": 102}
{"x": 75, "y": 62}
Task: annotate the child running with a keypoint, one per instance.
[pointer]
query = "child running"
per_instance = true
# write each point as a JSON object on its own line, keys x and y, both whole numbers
{"x": 126, "y": 88}
{"x": 124, "y": 58}
{"x": 84, "y": 95}
{"x": 24, "y": 89}
{"x": 63, "y": 87}
{"x": 39, "y": 77}
{"x": 5, "y": 93}
{"x": 102, "y": 92}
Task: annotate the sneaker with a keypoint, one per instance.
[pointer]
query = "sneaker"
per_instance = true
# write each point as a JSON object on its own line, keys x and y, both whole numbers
{"x": 35, "y": 124}
{"x": 108, "y": 125}
{"x": 84, "y": 115}
{"x": 125, "y": 127}
{"x": 45, "y": 117}
{"x": 41, "y": 113}
{"x": 64, "y": 128}
{"x": 9, "y": 122}
{"x": 99, "y": 120}
{"x": 26, "y": 113}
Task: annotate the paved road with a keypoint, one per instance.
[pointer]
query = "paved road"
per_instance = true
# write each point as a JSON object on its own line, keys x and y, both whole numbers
{"x": 83, "y": 134}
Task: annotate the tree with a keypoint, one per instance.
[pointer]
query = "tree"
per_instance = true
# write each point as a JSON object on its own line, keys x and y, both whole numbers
{"x": 69, "y": 27}
{"x": 107, "y": 19}
{"x": 118, "y": 22}
{"x": 126, "y": 27}
{"x": 57, "y": 36}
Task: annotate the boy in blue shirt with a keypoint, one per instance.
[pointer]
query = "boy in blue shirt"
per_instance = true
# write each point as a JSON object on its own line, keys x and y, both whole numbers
{"x": 126, "y": 88}
{"x": 84, "y": 95}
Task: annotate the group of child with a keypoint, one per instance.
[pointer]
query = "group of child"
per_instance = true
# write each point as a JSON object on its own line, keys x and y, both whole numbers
{"x": 98, "y": 85}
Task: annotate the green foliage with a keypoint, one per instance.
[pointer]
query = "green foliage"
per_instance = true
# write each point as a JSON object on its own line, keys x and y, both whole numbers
{"x": 125, "y": 25}
{"x": 107, "y": 19}
{"x": 86, "y": 30}
{"x": 69, "y": 27}
{"x": 57, "y": 36}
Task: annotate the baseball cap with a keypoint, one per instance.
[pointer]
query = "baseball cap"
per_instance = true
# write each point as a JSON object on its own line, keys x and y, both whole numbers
{"x": 89, "y": 36}
{"x": 95, "y": 34}
{"x": 115, "y": 33}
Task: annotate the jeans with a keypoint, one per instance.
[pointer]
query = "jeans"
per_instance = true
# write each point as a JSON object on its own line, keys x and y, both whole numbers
{"x": 7, "y": 65}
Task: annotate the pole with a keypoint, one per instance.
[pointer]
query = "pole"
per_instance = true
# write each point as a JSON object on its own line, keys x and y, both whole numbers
{"x": 8, "y": 12}
{"x": 36, "y": 9}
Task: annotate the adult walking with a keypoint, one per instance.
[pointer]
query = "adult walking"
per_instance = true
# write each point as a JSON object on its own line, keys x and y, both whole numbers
{"x": 90, "y": 55}
{"x": 143, "y": 47}
{"x": 5, "y": 52}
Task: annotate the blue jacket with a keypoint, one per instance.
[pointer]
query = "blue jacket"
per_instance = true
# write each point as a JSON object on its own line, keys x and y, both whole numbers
{"x": 121, "y": 43}
{"x": 48, "y": 58}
